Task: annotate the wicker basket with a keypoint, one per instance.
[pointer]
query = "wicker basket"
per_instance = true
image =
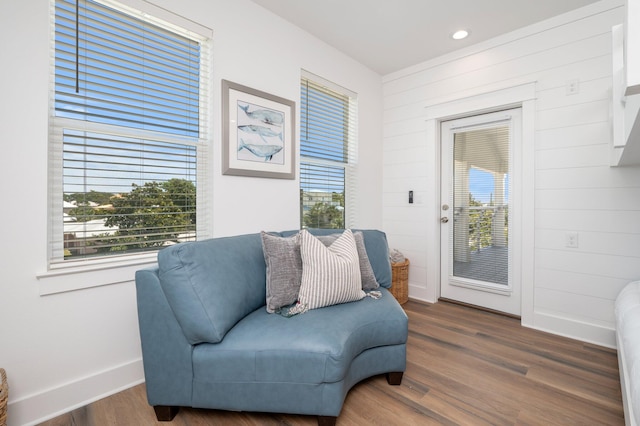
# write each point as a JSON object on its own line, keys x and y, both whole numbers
{"x": 400, "y": 281}
{"x": 4, "y": 396}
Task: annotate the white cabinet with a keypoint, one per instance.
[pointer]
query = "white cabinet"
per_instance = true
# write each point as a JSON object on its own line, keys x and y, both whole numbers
{"x": 632, "y": 47}
{"x": 626, "y": 88}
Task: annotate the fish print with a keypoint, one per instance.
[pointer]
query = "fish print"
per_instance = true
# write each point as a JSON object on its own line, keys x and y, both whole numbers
{"x": 266, "y": 116}
{"x": 260, "y": 130}
{"x": 266, "y": 151}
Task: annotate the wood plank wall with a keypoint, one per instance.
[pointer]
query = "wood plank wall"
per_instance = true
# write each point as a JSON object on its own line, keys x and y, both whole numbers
{"x": 575, "y": 188}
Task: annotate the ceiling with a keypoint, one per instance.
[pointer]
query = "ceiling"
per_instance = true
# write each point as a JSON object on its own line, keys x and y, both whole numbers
{"x": 389, "y": 35}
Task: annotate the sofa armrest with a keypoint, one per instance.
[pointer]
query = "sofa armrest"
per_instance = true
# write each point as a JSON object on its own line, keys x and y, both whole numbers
{"x": 166, "y": 354}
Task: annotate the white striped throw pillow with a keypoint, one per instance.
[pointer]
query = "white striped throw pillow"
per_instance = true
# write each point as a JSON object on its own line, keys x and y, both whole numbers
{"x": 330, "y": 275}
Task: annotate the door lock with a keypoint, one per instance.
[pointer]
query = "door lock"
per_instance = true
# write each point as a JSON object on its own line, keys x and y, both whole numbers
{"x": 444, "y": 219}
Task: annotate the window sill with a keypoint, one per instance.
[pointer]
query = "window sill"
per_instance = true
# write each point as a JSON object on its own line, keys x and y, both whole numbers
{"x": 64, "y": 278}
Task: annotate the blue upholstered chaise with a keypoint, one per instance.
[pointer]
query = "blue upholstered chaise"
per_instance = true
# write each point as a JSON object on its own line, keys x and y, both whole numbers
{"x": 208, "y": 341}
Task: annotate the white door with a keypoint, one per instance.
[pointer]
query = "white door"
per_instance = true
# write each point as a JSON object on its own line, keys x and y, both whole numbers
{"x": 477, "y": 216}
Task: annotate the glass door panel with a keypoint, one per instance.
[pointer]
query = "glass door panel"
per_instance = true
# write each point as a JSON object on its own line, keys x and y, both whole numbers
{"x": 481, "y": 205}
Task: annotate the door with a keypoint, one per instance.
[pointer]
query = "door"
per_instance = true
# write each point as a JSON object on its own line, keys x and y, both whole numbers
{"x": 476, "y": 214}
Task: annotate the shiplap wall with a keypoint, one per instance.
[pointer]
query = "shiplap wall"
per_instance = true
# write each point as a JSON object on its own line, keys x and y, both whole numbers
{"x": 575, "y": 188}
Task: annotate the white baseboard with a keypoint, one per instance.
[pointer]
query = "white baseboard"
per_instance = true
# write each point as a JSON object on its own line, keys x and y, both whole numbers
{"x": 50, "y": 403}
{"x": 550, "y": 323}
{"x": 420, "y": 293}
{"x": 575, "y": 329}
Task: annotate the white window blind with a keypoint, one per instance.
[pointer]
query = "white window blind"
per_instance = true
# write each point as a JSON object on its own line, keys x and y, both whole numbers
{"x": 328, "y": 120}
{"x": 481, "y": 202}
{"x": 129, "y": 126}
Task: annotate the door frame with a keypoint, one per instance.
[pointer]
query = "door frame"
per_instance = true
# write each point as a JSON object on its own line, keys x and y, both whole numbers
{"x": 500, "y": 297}
{"x": 474, "y": 103}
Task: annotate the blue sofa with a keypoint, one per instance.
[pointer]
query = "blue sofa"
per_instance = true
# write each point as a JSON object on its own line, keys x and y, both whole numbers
{"x": 208, "y": 341}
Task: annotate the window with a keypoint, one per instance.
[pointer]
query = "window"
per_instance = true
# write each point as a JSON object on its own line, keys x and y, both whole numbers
{"x": 327, "y": 154}
{"x": 128, "y": 132}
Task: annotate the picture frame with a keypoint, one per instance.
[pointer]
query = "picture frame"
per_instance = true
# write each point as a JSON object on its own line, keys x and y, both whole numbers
{"x": 258, "y": 136}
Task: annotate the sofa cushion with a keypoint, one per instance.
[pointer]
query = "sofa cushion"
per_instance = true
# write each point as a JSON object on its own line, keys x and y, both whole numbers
{"x": 316, "y": 347}
{"x": 369, "y": 281}
{"x": 284, "y": 266}
{"x": 212, "y": 284}
{"x": 284, "y": 269}
{"x": 330, "y": 274}
{"x": 375, "y": 243}
{"x": 366, "y": 272}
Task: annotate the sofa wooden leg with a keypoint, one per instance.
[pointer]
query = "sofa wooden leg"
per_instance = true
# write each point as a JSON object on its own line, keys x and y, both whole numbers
{"x": 395, "y": 378}
{"x": 327, "y": 421}
{"x": 165, "y": 413}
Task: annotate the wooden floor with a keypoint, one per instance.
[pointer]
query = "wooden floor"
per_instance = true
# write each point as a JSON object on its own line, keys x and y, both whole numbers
{"x": 464, "y": 367}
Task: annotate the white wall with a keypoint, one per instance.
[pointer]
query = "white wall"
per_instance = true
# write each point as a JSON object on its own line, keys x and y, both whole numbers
{"x": 575, "y": 189}
{"x": 65, "y": 349}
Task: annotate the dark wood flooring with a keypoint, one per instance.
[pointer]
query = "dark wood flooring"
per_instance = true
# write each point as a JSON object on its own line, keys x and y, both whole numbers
{"x": 465, "y": 367}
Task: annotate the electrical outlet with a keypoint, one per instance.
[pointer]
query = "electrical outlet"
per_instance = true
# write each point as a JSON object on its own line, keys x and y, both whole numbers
{"x": 571, "y": 239}
{"x": 572, "y": 87}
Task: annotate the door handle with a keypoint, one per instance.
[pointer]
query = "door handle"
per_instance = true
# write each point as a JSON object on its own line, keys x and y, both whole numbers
{"x": 444, "y": 219}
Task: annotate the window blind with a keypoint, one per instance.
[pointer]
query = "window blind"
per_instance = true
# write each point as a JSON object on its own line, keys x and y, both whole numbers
{"x": 481, "y": 202}
{"x": 328, "y": 118}
{"x": 112, "y": 68}
{"x": 128, "y": 131}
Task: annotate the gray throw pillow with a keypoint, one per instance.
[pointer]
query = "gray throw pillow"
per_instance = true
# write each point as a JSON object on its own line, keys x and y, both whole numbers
{"x": 284, "y": 269}
{"x": 366, "y": 271}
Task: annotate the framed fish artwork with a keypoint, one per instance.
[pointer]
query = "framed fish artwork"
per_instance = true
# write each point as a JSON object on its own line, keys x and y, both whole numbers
{"x": 257, "y": 133}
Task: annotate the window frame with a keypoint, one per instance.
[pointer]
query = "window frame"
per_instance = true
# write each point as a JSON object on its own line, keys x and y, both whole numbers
{"x": 350, "y": 164}
{"x": 56, "y": 277}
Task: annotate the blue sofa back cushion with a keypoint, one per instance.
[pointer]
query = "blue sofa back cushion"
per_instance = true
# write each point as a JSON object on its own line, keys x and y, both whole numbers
{"x": 212, "y": 284}
{"x": 377, "y": 249}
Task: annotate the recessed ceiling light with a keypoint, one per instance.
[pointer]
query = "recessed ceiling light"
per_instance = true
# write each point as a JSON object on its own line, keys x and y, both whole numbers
{"x": 460, "y": 34}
